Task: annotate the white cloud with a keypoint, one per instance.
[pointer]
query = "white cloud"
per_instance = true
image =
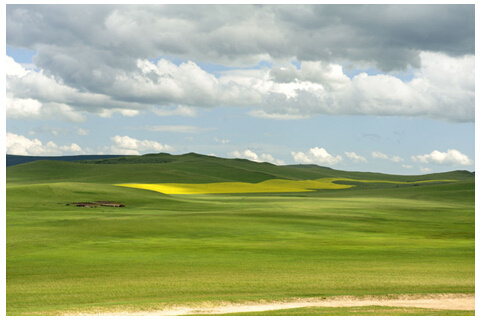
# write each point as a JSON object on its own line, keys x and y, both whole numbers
{"x": 407, "y": 166}
{"x": 379, "y": 155}
{"x": 442, "y": 89}
{"x": 62, "y": 112}
{"x": 223, "y": 141}
{"x": 49, "y": 130}
{"x": 425, "y": 169}
{"x": 34, "y": 94}
{"x": 82, "y": 131}
{"x": 121, "y": 151}
{"x": 248, "y": 154}
{"x": 396, "y": 159}
{"x": 22, "y": 108}
{"x": 108, "y": 113}
{"x": 239, "y": 35}
{"x": 129, "y": 112}
{"x": 251, "y": 155}
{"x": 270, "y": 159}
{"x": 328, "y": 75}
{"x": 106, "y": 66}
{"x": 356, "y": 158}
{"x": 17, "y": 108}
{"x": 13, "y": 68}
{"x": 316, "y": 156}
{"x": 132, "y": 146}
{"x": 276, "y": 116}
{"x": 179, "y": 111}
{"x": 177, "y": 129}
{"x": 451, "y": 157}
{"x": 71, "y": 148}
{"x": 20, "y": 145}
{"x": 166, "y": 83}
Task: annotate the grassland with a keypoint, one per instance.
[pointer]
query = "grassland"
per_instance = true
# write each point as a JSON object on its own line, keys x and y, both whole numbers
{"x": 160, "y": 250}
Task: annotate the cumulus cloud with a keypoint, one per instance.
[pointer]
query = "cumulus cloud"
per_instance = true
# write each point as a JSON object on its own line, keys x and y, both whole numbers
{"x": 443, "y": 89}
{"x": 379, "y": 155}
{"x": 49, "y": 130}
{"x": 71, "y": 148}
{"x": 241, "y": 34}
{"x": 451, "y": 157}
{"x": 316, "y": 155}
{"x": 223, "y": 141}
{"x": 108, "y": 113}
{"x": 22, "y": 108}
{"x": 248, "y": 154}
{"x": 270, "y": 159}
{"x": 177, "y": 129}
{"x": 396, "y": 159}
{"x": 13, "y": 69}
{"x": 356, "y": 158}
{"x": 165, "y": 83}
{"x": 393, "y": 158}
{"x": 425, "y": 169}
{"x": 21, "y": 145}
{"x": 34, "y": 94}
{"x": 131, "y": 146}
{"x": 103, "y": 59}
{"x": 83, "y": 132}
{"x": 293, "y": 114}
{"x": 178, "y": 111}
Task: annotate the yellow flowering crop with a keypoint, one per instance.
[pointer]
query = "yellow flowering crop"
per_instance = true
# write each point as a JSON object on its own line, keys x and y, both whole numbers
{"x": 269, "y": 186}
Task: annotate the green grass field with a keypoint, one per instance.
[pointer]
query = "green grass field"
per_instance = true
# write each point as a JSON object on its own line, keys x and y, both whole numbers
{"x": 161, "y": 250}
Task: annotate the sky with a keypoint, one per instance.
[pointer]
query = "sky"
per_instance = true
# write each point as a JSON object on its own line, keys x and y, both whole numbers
{"x": 379, "y": 88}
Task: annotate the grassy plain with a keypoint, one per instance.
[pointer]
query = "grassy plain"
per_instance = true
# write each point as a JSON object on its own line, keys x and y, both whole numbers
{"x": 162, "y": 250}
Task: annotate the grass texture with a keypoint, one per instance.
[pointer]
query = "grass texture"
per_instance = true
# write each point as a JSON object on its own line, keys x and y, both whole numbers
{"x": 160, "y": 250}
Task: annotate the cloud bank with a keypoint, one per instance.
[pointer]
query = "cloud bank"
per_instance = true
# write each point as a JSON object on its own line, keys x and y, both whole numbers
{"x": 125, "y": 145}
{"x": 248, "y": 154}
{"x": 132, "y": 59}
{"x": 443, "y": 89}
{"x": 316, "y": 155}
{"x": 386, "y": 36}
{"x": 21, "y": 145}
{"x": 451, "y": 157}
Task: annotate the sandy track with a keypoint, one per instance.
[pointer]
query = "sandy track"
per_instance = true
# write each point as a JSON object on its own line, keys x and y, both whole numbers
{"x": 432, "y": 301}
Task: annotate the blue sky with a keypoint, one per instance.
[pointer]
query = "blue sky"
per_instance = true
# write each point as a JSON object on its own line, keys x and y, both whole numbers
{"x": 271, "y": 83}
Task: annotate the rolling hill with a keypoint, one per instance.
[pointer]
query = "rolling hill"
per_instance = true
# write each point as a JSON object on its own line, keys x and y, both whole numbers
{"x": 190, "y": 168}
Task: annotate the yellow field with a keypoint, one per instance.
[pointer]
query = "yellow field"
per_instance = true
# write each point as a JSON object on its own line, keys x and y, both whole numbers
{"x": 269, "y": 186}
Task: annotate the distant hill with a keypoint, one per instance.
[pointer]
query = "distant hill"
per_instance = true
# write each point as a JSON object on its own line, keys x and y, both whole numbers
{"x": 19, "y": 159}
{"x": 187, "y": 168}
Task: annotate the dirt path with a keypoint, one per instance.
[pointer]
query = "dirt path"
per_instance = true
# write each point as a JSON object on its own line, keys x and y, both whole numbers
{"x": 433, "y": 301}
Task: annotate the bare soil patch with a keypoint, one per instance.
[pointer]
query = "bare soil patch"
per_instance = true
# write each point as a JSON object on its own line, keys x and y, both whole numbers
{"x": 431, "y": 301}
{"x": 97, "y": 203}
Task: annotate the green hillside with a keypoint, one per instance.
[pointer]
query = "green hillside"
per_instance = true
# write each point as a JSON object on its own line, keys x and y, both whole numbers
{"x": 160, "y": 250}
{"x": 189, "y": 168}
